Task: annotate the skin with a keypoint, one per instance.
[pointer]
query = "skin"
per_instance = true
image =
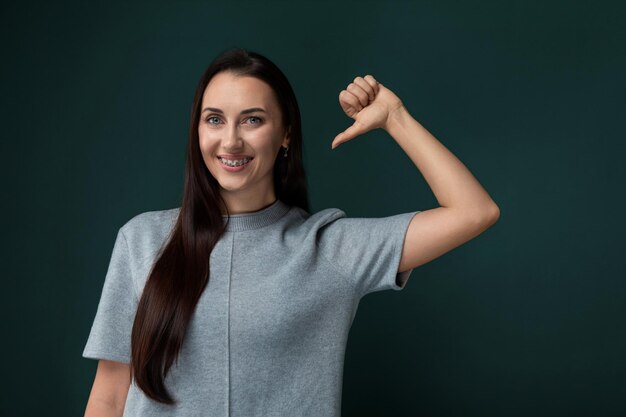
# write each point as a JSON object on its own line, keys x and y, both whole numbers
{"x": 258, "y": 134}
{"x": 109, "y": 390}
{"x": 466, "y": 208}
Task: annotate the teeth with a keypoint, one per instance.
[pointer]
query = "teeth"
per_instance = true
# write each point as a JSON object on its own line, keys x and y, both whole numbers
{"x": 235, "y": 163}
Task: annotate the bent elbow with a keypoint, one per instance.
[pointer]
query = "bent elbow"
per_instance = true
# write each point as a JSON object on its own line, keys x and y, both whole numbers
{"x": 493, "y": 214}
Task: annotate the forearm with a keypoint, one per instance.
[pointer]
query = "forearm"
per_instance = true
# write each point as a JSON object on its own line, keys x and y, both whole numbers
{"x": 99, "y": 408}
{"x": 452, "y": 183}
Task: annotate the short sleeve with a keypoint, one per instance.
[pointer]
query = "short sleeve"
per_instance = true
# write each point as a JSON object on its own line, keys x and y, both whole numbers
{"x": 111, "y": 330}
{"x": 368, "y": 250}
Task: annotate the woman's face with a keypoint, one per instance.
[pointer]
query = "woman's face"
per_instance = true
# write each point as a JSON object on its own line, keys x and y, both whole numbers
{"x": 240, "y": 132}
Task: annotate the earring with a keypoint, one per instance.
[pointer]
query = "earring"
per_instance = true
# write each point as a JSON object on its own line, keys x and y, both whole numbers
{"x": 285, "y": 154}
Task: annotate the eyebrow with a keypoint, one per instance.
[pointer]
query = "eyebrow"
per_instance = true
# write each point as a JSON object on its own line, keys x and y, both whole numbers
{"x": 252, "y": 110}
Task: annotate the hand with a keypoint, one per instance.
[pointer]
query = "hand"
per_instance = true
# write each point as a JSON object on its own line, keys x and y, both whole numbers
{"x": 369, "y": 103}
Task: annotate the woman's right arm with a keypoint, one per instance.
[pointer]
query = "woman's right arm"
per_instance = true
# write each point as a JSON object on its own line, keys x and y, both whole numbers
{"x": 109, "y": 391}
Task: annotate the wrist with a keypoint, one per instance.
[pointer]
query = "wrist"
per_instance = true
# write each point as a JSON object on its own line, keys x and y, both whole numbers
{"x": 396, "y": 119}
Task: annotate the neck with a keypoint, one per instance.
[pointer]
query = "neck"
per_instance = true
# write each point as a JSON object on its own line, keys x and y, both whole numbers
{"x": 242, "y": 204}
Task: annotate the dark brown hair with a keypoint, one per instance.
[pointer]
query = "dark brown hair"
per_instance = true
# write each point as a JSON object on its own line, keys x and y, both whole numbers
{"x": 181, "y": 271}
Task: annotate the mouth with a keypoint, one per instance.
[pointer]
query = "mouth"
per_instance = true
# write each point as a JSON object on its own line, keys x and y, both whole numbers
{"x": 233, "y": 163}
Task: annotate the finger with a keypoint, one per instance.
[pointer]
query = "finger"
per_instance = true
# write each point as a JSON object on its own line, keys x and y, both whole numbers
{"x": 369, "y": 89}
{"x": 360, "y": 93}
{"x": 351, "y": 132}
{"x": 349, "y": 103}
{"x": 372, "y": 81}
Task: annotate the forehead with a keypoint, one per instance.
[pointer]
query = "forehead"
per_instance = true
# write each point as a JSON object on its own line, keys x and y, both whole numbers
{"x": 230, "y": 90}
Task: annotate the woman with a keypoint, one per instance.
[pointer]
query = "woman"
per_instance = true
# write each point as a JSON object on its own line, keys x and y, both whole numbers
{"x": 240, "y": 301}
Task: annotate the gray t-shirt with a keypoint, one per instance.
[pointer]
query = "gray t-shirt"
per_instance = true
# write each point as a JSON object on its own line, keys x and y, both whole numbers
{"x": 269, "y": 333}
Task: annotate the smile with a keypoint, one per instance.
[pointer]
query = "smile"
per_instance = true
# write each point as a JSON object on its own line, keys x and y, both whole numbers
{"x": 234, "y": 162}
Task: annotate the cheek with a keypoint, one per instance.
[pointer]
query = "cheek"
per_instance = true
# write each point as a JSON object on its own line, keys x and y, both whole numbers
{"x": 206, "y": 141}
{"x": 265, "y": 141}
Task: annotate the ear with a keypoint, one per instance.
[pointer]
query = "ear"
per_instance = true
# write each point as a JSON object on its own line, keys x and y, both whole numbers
{"x": 287, "y": 137}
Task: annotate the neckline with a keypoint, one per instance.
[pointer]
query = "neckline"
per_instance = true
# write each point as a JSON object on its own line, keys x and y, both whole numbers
{"x": 256, "y": 219}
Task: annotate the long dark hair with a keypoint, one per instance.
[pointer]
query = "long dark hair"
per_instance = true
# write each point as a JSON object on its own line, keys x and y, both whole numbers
{"x": 181, "y": 271}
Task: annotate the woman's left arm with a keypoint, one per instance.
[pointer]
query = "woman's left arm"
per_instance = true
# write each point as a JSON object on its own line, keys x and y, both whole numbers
{"x": 466, "y": 209}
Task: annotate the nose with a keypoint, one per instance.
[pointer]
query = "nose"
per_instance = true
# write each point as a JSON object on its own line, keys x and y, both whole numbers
{"x": 231, "y": 140}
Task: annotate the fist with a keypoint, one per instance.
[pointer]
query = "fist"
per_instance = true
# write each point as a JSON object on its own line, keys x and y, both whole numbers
{"x": 369, "y": 103}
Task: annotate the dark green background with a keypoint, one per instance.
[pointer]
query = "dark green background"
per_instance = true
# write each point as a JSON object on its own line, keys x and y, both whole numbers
{"x": 525, "y": 320}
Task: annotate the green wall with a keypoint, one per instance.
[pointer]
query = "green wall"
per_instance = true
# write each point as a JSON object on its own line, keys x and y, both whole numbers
{"x": 525, "y": 320}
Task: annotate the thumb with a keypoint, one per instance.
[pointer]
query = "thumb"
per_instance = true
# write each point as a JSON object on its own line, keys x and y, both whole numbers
{"x": 351, "y": 132}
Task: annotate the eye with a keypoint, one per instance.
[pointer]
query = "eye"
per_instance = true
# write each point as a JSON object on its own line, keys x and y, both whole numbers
{"x": 211, "y": 118}
{"x": 253, "y": 118}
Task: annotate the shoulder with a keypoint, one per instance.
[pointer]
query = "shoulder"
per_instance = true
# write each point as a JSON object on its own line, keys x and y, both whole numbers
{"x": 333, "y": 226}
{"x": 149, "y": 228}
{"x": 308, "y": 222}
{"x": 334, "y": 221}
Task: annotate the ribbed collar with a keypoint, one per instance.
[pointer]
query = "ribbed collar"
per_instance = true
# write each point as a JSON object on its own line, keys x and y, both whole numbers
{"x": 256, "y": 219}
